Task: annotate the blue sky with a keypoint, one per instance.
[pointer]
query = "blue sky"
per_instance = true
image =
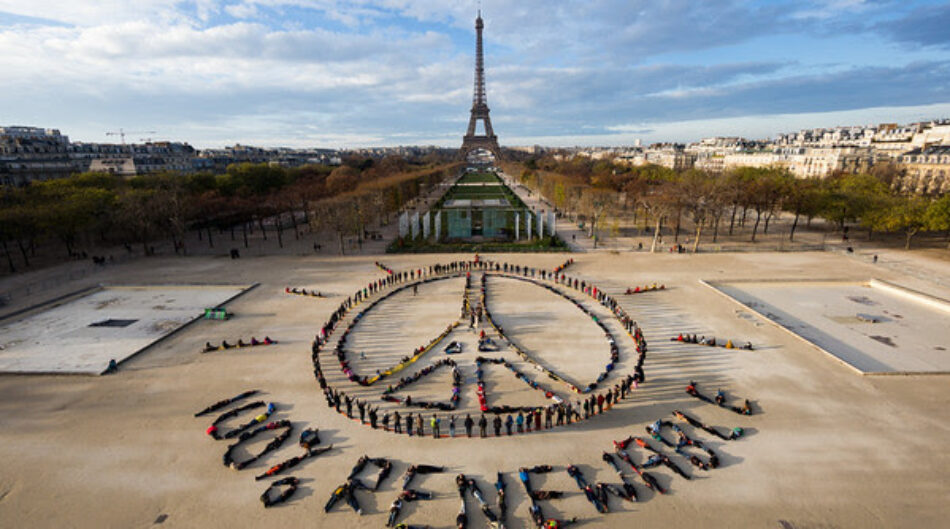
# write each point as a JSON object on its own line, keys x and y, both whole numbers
{"x": 395, "y": 72}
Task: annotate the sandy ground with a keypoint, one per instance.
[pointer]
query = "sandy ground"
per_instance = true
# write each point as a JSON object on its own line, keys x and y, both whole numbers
{"x": 828, "y": 448}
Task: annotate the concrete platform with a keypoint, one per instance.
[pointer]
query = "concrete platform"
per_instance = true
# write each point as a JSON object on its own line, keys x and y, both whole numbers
{"x": 872, "y": 326}
{"x": 81, "y": 335}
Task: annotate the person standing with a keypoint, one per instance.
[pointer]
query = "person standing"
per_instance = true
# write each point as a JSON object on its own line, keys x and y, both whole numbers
{"x": 452, "y": 426}
{"x": 496, "y": 423}
{"x": 482, "y": 426}
{"x": 468, "y": 425}
{"x": 435, "y": 426}
{"x": 420, "y": 425}
{"x": 409, "y": 424}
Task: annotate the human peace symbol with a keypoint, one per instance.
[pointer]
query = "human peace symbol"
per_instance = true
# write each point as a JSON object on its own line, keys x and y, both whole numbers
{"x": 471, "y": 342}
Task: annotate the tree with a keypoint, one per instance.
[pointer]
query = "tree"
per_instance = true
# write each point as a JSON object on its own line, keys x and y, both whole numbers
{"x": 594, "y": 204}
{"x": 699, "y": 191}
{"x": 68, "y": 210}
{"x": 141, "y": 214}
{"x": 907, "y": 214}
{"x": 803, "y": 197}
{"x": 342, "y": 179}
{"x": 736, "y": 190}
{"x": 658, "y": 202}
{"x": 560, "y": 196}
{"x": 848, "y": 197}
{"x": 766, "y": 192}
{"x": 938, "y": 216}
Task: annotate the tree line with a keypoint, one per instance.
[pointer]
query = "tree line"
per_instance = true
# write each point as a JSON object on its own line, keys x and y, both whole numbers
{"x": 597, "y": 189}
{"x": 91, "y": 209}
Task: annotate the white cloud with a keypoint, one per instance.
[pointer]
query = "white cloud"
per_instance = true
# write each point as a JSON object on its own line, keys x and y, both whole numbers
{"x": 256, "y": 70}
{"x": 243, "y": 10}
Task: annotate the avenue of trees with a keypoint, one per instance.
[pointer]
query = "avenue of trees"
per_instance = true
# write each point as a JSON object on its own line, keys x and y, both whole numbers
{"x": 92, "y": 210}
{"x": 657, "y": 197}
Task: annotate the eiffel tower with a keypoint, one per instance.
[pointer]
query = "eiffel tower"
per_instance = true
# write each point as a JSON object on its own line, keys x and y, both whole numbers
{"x": 472, "y": 141}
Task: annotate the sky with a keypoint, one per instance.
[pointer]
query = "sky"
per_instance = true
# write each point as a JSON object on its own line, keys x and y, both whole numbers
{"x": 331, "y": 73}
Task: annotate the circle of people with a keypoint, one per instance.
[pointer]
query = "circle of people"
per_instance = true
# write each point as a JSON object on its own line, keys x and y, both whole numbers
{"x": 536, "y": 418}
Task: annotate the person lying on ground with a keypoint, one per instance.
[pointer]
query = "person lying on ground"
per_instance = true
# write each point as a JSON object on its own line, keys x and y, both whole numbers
{"x": 351, "y": 500}
{"x": 536, "y": 514}
{"x": 540, "y": 469}
{"x": 609, "y": 459}
{"x": 461, "y": 520}
{"x": 413, "y": 495}
{"x": 594, "y": 499}
{"x": 476, "y": 491}
{"x": 385, "y": 468}
{"x": 359, "y": 466}
{"x": 654, "y": 460}
{"x": 222, "y": 403}
{"x": 674, "y": 467}
{"x": 578, "y": 476}
{"x": 335, "y": 496}
{"x": 500, "y": 489}
{"x": 554, "y": 523}
{"x": 309, "y": 438}
{"x": 394, "y": 510}
{"x": 600, "y": 489}
{"x": 647, "y": 478}
{"x": 540, "y": 495}
{"x": 746, "y": 408}
{"x": 270, "y": 501}
{"x": 292, "y": 462}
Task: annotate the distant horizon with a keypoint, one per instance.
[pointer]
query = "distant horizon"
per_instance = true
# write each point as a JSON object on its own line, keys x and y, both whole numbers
{"x": 373, "y": 73}
{"x": 564, "y": 142}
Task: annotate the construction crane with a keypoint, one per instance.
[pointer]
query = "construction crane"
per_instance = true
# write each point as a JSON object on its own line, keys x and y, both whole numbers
{"x": 122, "y": 132}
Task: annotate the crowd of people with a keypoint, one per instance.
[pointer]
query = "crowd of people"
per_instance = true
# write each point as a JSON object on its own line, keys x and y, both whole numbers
{"x": 734, "y": 433}
{"x": 274, "y": 444}
{"x": 347, "y": 491}
{"x": 303, "y": 292}
{"x": 483, "y": 397}
{"x": 565, "y": 412}
{"x": 534, "y": 508}
{"x": 226, "y": 402}
{"x": 630, "y": 325}
{"x": 213, "y": 431}
{"x": 408, "y": 494}
{"x": 646, "y": 288}
{"x": 418, "y": 375}
{"x": 719, "y": 400}
{"x": 711, "y": 341}
{"x": 254, "y": 342}
{"x": 563, "y": 266}
{"x": 384, "y": 268}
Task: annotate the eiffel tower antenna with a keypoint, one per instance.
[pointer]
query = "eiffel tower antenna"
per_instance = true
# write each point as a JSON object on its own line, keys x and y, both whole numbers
{"x": 480, "y": 112}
